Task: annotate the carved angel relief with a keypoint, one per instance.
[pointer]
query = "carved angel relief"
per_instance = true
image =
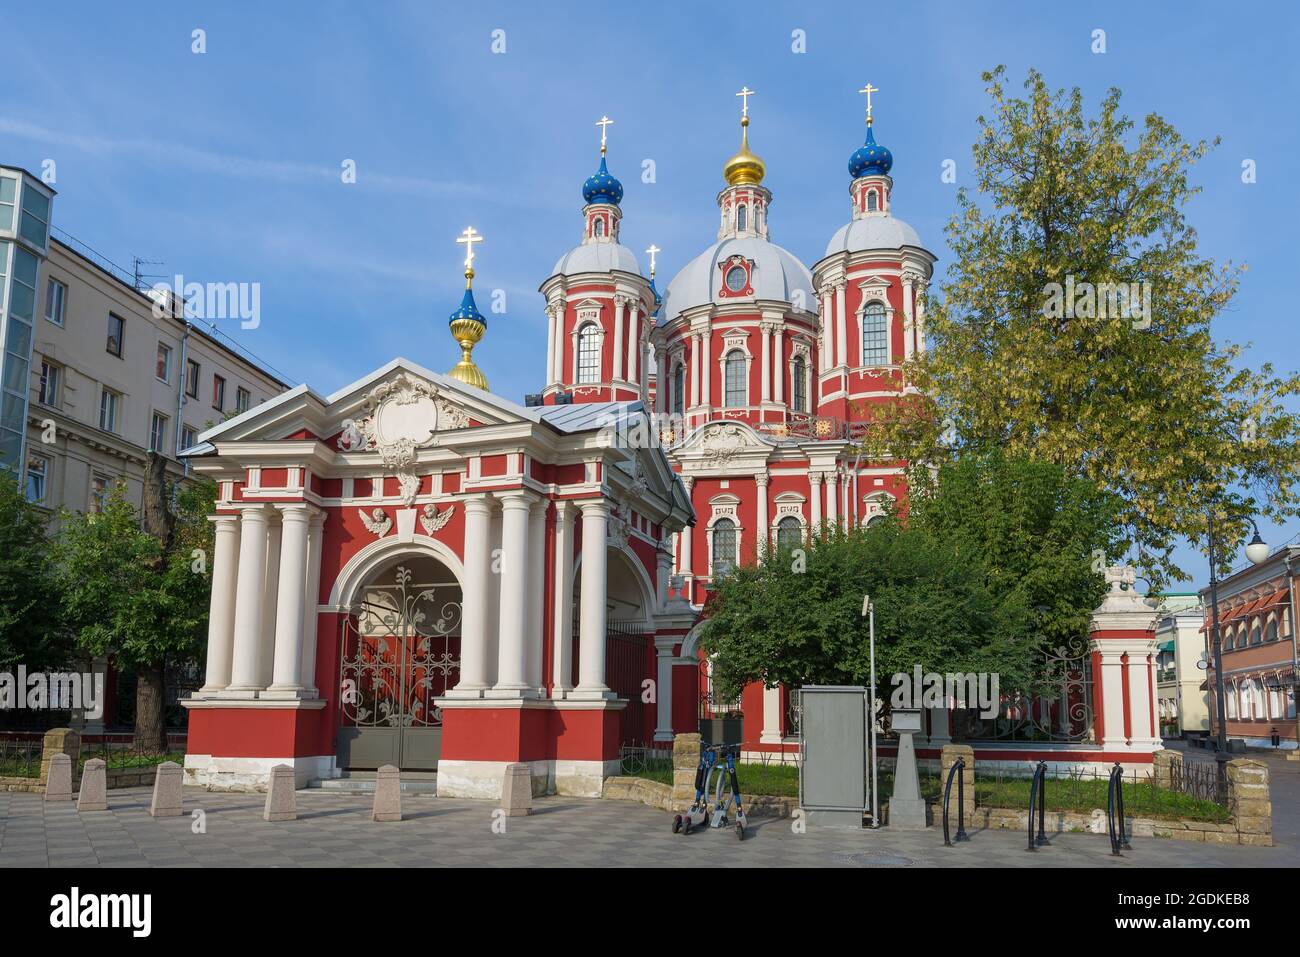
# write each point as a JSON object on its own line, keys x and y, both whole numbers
{"x": 433, "y": 520}
{"x": 400, "y": 417}
{"x": 377, "y": 523}
{"x": 617, "y": 531}
{"x": 722, "y": 443}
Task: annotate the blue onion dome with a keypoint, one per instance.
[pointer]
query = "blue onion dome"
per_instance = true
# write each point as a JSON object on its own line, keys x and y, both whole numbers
{"x": 602, "y": 187}
{"x": 467, "y": 310}
{"x": 870, "y": 159}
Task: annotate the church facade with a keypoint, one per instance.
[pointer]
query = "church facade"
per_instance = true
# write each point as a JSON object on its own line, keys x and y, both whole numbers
{"x": 415, "y": 571}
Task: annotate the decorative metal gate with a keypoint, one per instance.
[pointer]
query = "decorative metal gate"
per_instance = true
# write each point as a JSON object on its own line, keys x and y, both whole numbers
{"x": 1063, "y": 713}
{"x": 400, "y": 651}
{"x": 629, "y": 662}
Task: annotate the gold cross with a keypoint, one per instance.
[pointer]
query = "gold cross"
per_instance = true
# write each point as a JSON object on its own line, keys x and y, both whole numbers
{"x": 652, "y": 250}
{"x": 603, "y": 123}
{"x": 744, "y": 95}
{"x": 869, "y": 89}
{"x": 469, "y": 237}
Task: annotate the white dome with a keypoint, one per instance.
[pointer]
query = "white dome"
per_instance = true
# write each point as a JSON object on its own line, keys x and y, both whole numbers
{"x": 872, "y": 232}
{"x": 596, "y": 257}
{"x": 777, "y": 275}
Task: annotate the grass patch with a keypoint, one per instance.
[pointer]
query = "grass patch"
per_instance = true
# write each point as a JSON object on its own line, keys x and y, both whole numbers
{"x": 1141, "y": 798}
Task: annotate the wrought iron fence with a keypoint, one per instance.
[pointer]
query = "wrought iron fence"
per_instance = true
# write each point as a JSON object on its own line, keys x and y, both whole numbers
{"x": 20, "y": 757}
{"x": 1195, "y": 794}
{"x": 646, "y": 761}
{"x": 122, "y": 755}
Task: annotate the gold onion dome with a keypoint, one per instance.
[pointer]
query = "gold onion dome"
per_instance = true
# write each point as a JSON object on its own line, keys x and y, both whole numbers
{"x": 744, "y": 169}
{"x": 467, "y": 324}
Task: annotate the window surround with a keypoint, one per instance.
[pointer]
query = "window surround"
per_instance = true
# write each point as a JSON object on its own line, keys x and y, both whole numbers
{"x": 44, "y": 478}
{"x": 50, "y": 394}
{"x": 165, "y": 359}
{"x": 591, "y": 332}
{"x": 60, "y": 317}
{"x": 115, "y": 346}
{"x": 110, "y": 410}
{"x": 733, "y": 341}
{"x": 800, "y": 351}
{"x": 724, "y": 506}
{"x": 158, "y": 430}
{"x": 869, "y": 300}
{"x": 193, "y": 376}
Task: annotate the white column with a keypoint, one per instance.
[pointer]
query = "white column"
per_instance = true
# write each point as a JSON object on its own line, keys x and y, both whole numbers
{"x": 474, "y": 598}
{"x": 684, "y": 554}
{"x": 290, "y": 600}
{"x": 815, "y": 497}
{"x": 778, "y": 359}
{"x": 557, "y": 368}
{"x": 832, "y": 496}
{"x": 249, "y": 596}
{"x": 534, "y": 621}
{"x": 706, "y": 364}
{"x": 270, "y": 601}
{"x": 771, "y": 733}
{"x": 767, "y": 365}
{"x": 661, "y": 383}
{"x": 563, "y": 622}
{"x": 1140, "y": 685}
{"x": 761, "y": 482}
{"x": 841, "y": 326}
{"x": 619, "y": 306}
{"x": 920, "y": 317}
{"x": 315, "y": 532}
{"x": 552, "y": 341}
{"x": 828, "y": 356}
{"x": 908, "y": 319}
{"x": 695, "y": 370}
{"x": 1112, "y": 697}
{"x": 511, "y": 655}
{"x": 591, "y": 638}
{"x": 663, "y": 570}
{"x": 633, "y": 344}
{"x": 221, "y": 610}
{"x": 664, "y": 689}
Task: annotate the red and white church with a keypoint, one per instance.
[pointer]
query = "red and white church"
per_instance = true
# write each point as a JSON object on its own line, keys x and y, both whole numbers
{"x": 416, "y": 571}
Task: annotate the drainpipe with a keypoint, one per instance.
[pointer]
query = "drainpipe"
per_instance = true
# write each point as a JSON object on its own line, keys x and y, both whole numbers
{"x": 856, "y": 460}
{"x": 181, "y": 373}
{"x": 1295, "y": 658}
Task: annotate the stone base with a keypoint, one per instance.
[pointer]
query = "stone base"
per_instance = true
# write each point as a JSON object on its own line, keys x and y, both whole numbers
{"x": 252, "y": 774}
{"x": 482, "y": 780}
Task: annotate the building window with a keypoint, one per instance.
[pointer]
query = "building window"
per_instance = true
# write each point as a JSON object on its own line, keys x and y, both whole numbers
{"x": 99, "y": 486}
{"x": 116, "y": 329}
{"x": 724, "y": 546}
{"x": 598, "y": 228}
{"x": 38, "y": 471}
{"x": 872, "y": 203}
{"x": 1270, "y": 634}
{"x": 51, "y": 377}
{"x": 589, "y": 353}
{"x": 35, "y": 224}
{"x": 109, "y": 402}
{"x": 679, "y": 389}
{"x": 191, "y": 378}
{"x": 875, "y": 335}
{"x": 737, "y": 278}
{"x": 56, "y": 298}
{"x": 1230, "y": 702}
{"x": 735, "y": 379}
{"x": 218, "y": 393}
{"x": 8, "y": 200}
{"x": 789, "y": 532}
{"x": 189, "y": 437}
{"x": 158, "y": 433}
{"x": 164, "y": 368}
{"x": 243, "y": 399}
{"x": 799, "y": 385}
{"x": 741, "y": 216}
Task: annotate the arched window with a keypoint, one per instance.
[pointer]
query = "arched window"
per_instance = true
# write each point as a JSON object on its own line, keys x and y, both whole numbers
{"x": 1255, "y": 635}
{"x": 799, "y": 385}
{"x": 741, "y": 216}
{"x": 679, "y": 389}
{"x": 589, "y": 353}
{"x": 735, "y": 384}
{"x": 789, "y": 533}
{"x": 872, "y": 203}
{"x": 1270, "y": 633}
{"x": 598, "y": 228}
{"x": 1230, "y": 701}
{"x": 724, "y": 546}
{"x": 875, "y": 335}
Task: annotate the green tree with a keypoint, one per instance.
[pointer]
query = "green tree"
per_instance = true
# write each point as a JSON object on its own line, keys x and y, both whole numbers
{"x": 1149, "y": 405}
{"x": 141, "y": 595}
{"x": 30, "y": 631}
{"x": 989, "y": 569}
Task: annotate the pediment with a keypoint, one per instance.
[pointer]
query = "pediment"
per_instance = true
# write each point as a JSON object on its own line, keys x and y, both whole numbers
{"x": 724, "y": 444}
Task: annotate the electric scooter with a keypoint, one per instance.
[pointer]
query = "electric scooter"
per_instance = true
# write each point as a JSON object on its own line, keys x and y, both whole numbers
{"x": 721, "y": 759}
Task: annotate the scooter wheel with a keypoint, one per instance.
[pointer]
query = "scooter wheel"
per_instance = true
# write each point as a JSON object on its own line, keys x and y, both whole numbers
{"x": 677, "y": 823}
{"x": 740, "y": 832}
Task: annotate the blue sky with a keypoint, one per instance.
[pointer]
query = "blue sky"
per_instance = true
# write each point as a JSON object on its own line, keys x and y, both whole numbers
{"x": 225, "y": 165}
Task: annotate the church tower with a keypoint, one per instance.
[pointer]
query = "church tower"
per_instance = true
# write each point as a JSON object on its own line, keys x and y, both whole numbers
{"x": 599, "y": 307}
{"x": 871, "y": 287}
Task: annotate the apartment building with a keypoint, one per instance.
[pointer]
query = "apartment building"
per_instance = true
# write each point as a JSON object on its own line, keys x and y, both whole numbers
{"x": 111, "y": 376}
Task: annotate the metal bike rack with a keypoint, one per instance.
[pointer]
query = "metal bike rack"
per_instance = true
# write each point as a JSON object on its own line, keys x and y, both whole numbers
{"x": 1115, "y": 812}
{"x": 961, "y": 803}
{"x": 1037, "y": 793}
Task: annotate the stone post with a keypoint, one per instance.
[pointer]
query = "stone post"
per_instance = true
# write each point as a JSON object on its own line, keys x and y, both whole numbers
{"x": 1249, "y": 801}
{"x": 948, "y": 757}
{"x": 1163, "y": 767}
{"x": 58, "y": 784}
{"x": 686, "y": 761}
{"x": 517, "y": 790}
{"x": 388, "y": 794}
{"x": 166, "y": 800}
{"x": 94, "y": 787}
{"x": 281, "y": 803}
{"x": 60, "y": 741}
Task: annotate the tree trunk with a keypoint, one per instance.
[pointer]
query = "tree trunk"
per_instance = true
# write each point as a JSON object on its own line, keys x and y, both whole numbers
{"x": 150, "y": 726}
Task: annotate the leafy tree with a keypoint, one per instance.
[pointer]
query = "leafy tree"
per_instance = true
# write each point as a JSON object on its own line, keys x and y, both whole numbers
{"x": 30, "y": 631}
{"x": 140, "y": 595}
{"x": 1149, "y": 405}
{"x": 991, "y": 567}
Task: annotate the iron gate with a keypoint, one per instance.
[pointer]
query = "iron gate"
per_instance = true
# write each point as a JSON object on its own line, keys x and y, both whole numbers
{"x": 400, "y": 651}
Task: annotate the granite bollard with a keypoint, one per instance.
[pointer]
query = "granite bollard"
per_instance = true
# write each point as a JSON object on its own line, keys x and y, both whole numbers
{"x": 166, "y": 800}
{"x": 281, "y": 802}
{"x": 388, "y": 794}
{"x": 58, "y": 785}
{"x": 517, "y": 790}
{"x": 93, "y": 795}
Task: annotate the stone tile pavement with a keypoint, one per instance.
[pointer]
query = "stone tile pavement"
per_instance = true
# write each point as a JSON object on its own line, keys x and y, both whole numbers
{"x": 335, "y": 830}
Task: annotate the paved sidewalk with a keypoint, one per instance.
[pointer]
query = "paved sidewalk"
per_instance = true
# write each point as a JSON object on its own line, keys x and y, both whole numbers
{"x": 334, "y": 830}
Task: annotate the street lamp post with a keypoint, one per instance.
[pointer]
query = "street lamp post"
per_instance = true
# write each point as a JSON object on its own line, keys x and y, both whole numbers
{"x": 1257, "y": 552}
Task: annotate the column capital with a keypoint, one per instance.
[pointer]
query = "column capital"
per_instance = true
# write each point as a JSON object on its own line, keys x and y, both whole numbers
{"x": 479, "y": 504}
{"x": 225, "y": 521}
{"x": 517, "y": 498}
{"x": 815, "y": 478}
{"x": 297, "y": 511}
{"x": 259, "y": 512}
{"x": 761, "y": 479}
{"x": 598, "y": 506}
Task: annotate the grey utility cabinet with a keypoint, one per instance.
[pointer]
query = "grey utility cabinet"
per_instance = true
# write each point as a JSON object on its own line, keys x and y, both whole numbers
{"x": 833, "y": 772}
